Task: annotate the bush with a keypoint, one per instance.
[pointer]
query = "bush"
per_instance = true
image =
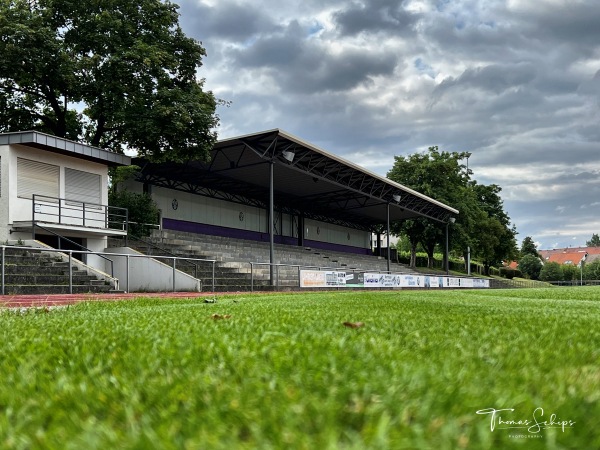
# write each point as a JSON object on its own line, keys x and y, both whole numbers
{"x": 530, "y": 266}
{"x": 508, "y": 272}
{"x": 552, "y": 271}
{"x": 591, "y": 271}
{"x": 142, "y": 210}
{"x": 570, "y": 272}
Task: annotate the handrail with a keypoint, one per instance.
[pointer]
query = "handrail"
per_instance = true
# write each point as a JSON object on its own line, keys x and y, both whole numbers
{"x": 112, "y": 272}
{"x": 174, "y": 258}
{"x": 275, "y": 280}
{"x": 168, "y": 252}
{"x": 70, "y": 253}
{"x": 77, "y": 213}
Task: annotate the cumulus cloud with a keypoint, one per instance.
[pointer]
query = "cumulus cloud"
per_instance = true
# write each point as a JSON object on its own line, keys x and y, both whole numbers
{"x": 515, "y": 82}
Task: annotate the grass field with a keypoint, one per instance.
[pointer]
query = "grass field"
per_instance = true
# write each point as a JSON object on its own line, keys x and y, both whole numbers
{"x": 283, "y": 372}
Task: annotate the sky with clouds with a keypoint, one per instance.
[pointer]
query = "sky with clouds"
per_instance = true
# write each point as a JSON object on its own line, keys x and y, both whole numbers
{"x": 514, "y": 82}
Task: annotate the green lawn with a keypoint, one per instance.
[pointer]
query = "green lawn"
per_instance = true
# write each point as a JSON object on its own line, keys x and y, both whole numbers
{"x": 283, "y": 372}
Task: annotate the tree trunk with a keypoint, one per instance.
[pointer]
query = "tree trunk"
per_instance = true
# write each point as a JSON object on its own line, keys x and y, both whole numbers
{"x": 430, "y": 260}
{"x": 413, "y": 254}
{"x": 486, "y": 269}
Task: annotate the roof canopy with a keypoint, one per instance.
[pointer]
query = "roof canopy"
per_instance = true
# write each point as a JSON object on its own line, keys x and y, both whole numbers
{"x": 308, "y": 181}
{"x": 65, "y": 147}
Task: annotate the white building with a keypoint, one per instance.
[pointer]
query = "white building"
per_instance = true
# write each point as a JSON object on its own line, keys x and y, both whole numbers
{"x": 51, "y": 187}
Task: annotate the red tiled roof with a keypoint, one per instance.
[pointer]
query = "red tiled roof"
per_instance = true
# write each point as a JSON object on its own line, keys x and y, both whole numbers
{"x": 590, "y": 250}
{"x": 572, "y": 257}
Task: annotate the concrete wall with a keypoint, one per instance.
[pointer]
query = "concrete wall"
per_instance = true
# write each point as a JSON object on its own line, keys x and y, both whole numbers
{"x": 183, "y": 206}
{"x": 148, "y": 275}
{"x": 4, "y": 175}
{"x": 335, "y": 234}
{"x": 14, "y": 209}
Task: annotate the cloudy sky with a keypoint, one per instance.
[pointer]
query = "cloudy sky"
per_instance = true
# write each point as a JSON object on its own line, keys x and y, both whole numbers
{"x": 515, "y": 82}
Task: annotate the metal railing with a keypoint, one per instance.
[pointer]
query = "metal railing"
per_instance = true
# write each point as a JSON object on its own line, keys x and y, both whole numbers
{"x": 276, "y": 282}
{"x": 76, "y": 213}
{"x": 112, "y": 270}
{"x": 151, "y": 245}
{"x": 583, "y": 282}
{"x": 502, "y": 283}
{"x": 41, "y": 250}
{"x": 70, "y": 253}
{"x": 494, "y": 283}
{"x": 173, "y": 265}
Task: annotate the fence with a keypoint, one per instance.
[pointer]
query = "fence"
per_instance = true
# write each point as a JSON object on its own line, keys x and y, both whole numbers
{"x": 292, "y": 278}
{"x": 71, "y": 212}
{"x": 172, "y": 259}
{"x": 583, "y": 282}
{"x": 356, "y": 278}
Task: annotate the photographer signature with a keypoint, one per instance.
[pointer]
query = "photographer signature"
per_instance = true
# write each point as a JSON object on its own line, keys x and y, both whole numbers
{"x": 533, "y": 425}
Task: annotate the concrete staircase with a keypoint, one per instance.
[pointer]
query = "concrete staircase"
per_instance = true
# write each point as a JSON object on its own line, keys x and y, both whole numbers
{"x": 30, "y": 271}
{"x": 233, "y": 270}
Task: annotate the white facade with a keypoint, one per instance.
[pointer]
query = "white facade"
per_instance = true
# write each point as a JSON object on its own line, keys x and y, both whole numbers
{"x": 189, "y": 207}
{"x": 74, "y": 178}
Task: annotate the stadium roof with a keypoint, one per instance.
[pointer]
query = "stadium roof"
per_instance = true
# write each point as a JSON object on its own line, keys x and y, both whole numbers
{"x": 307, "y": 180}
{"x": 65, "y": 147}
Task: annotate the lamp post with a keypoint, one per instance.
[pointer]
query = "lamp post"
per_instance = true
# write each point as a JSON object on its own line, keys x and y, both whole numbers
{"x": 388, "y": 238}
{"x": 581, "y": 266}
{"x": 451, "y": 220}
{"x": 396, "y": 197}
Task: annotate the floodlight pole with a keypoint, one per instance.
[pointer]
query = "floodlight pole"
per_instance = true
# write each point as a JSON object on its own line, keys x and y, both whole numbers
{"x": 271, "y": 222}
{"x": 447, "y": 259}
{"x": 450, "y": 220}
{"x": 389, "y": 250}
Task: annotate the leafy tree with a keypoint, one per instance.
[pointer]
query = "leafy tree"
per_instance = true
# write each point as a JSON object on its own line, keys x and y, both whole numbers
{"x": 142, "y": 210}
{"x": 439, "y": 175}
{"x": 594, "y": 241}
{"x": 552, "y": 271}
{"x": 531, "y": 266}
{"x": 528, "y": 247}
{"x": 482, "y": 223}
{"x": 570, "y": 272}
{"x": 494, "y": 235}
{"x": 117, "y": 75}
{"x": 591, "y": 271}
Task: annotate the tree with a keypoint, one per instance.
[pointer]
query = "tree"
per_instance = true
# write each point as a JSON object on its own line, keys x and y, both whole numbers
{"x": 142, "y": 210}
{"x": 552, "y": 271}
{"x": 528, "y": 247}
{"x": 439, "y": 175}
{"x": 531, "y": 266}
{"x": 591, "y": 271}
{"x": 494, "y": 235}
{"x": 594, "y": 241}
{"x": 570, "y": 272}
{"x": 482, "y": 223}
{"x": 118, "y": 75}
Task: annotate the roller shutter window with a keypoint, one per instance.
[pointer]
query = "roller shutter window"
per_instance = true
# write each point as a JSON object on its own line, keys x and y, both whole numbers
{"x": 37, "y": 178}
{"x": 82, "y": 187}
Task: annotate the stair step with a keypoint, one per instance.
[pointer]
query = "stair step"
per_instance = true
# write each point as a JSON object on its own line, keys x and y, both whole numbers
{"x": 33, "y": 271}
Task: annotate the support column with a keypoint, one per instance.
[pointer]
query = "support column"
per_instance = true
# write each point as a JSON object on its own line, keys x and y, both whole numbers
{"x": 389, "y": 250}
{"x": 301, "y": 230}
{"x": 446, "y": 252}
{"x": 271, "y": 223}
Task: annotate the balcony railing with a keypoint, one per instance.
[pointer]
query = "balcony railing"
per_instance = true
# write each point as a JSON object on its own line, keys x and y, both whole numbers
{"x": 74, "y": 213}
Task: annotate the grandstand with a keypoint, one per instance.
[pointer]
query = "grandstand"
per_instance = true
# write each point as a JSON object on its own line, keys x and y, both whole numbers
{"x": 281, "y": 196}
{"x": 261, "y": 203}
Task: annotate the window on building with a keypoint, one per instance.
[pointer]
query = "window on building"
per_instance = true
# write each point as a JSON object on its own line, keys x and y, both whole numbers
{"x": 34, "y": 177}
{"x": 82, "y": 186}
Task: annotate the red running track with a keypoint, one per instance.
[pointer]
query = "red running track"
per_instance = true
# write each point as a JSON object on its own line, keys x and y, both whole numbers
{"x": 28, "y": 301}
